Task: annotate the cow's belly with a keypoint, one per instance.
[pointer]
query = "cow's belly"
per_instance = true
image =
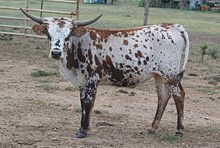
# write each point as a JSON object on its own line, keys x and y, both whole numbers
{"x": 126, "y": 78}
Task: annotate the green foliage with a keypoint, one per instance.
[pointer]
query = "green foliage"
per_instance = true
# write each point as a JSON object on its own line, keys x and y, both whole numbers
{"x": 210, "y": 90}
{"x": 49, "y": 87}
{"x": 97, "y": 111}
{"x": 203, "y": 49}
{"x": 41, "y": 73}
{"x": 213, "y": 53}
{"x": 78, "y": 110}
{"x": 70, "y": 88}
{"x": 214, "y": 78}
{"x": 141, "y": 3}
{"x": 44, "y": 81}
{"x": 210, "y": 50}
{"x": 168, "y": 137}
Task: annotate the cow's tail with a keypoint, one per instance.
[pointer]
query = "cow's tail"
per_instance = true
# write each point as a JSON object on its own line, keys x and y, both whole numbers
{"x": 185, "y": 36}
{"x": 186, "y": 57}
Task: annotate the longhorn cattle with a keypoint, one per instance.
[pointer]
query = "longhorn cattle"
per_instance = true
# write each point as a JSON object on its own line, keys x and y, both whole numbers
{"x": 86, "y": 56}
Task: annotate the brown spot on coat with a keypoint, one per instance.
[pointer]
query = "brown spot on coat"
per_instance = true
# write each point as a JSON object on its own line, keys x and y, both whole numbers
{"x": 108, "y": 60}
{"x": 166, "y": 25}
{"x": 71, "y": 61}
{"x": 89, "y": 70}
{"x": 79, "y": 32}
{"x": 99, "y": 67}
{"x": 61, "y": 23}
{"x": 127, "y": 57}
{"x": 96, "y": 60}
{"x": 99, "y": 46}
{"x": 125, "y": 42}
{"x": 105, "y": 33}
{"x": 138, "y": 54}
{"x": 92, "y": 35}
{"x": 90, "y": 56}
{"x": 110, "y": 48}
{"x": 117, "y": 75}
{"x": 80, "y": 55}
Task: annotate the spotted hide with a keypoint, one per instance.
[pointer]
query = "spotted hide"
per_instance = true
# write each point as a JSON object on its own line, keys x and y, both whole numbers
{"x": 87, "y": 56}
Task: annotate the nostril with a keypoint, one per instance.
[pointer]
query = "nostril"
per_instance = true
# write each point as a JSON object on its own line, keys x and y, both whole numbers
{"x": 56, "y": 54}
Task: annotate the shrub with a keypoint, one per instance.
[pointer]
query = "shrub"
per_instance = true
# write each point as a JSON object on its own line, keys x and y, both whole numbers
{"x": 213, "y": 53}
{"x": 203, "y": 49}
{"x": 141, "y": 3}
{"x": 41, "y": 73}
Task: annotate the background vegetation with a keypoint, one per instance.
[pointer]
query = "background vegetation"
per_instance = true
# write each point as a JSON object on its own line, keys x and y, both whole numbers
{"x": 203, "y": 27}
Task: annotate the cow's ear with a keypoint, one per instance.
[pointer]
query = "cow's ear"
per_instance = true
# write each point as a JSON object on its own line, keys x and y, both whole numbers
{"x": 39, "y": 29}
{"x": 78, "y": 32}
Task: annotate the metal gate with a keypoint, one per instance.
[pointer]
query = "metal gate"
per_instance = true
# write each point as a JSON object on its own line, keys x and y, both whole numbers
{"x": 13, "y": 22}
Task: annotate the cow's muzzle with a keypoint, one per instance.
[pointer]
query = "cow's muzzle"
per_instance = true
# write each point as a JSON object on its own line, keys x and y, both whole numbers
{"x": 56, "y": 54}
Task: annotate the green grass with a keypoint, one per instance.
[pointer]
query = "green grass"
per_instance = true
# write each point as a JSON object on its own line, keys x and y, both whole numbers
{"x": 214, "y": 78}
{"x": 210, "y": 90}
{"x": 42, "y": 73}
{"x": 128, "y": 14}
{"x": 44, "y": 78}
{"x": 77, "y": 109}
{"x": 208, "y": 131}
{"x": 209, "y": 49}
{"x": 70, "y": 88}
{"x": 49, "y": 87}
{"x": 167, "y": 137}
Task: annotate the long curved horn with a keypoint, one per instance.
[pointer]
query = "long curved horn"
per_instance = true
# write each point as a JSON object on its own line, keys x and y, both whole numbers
{"x": 86, "y": 22}
{"x": 34, "y": 18}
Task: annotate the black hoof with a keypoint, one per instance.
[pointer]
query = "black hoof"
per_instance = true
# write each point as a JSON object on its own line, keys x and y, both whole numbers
{"x": 81, "y": 134}
{"x": 179, "y": 134}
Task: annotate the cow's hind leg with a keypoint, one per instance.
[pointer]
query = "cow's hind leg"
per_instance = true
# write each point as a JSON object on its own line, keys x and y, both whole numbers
{"x": 179, "y": 101}
{"x": 163, "y": 98}
{"x": 87, "y": 103}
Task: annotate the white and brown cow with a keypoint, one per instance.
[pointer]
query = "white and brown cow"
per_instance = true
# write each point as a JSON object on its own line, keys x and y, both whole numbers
{"x": 127, "y": 57}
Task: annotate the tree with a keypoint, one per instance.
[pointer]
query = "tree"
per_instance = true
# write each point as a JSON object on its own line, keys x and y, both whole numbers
{"x": 146, "y": 11}
{"x": 109, "y": 2}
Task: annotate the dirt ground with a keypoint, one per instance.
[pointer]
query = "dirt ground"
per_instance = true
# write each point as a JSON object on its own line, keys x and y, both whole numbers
{"x": 44, "y": 111}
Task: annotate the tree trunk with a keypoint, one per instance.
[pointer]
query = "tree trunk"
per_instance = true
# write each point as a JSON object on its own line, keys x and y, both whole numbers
{"x": 146, "y": 11}
{"x": 109, "y": 2}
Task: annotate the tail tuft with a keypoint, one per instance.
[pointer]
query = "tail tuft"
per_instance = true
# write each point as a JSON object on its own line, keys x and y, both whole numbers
{"x": 180, "y": 75}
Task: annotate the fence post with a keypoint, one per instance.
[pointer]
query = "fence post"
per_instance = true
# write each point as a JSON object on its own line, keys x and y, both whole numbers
{"x": 77, "y": 9}
{"x": 26, "y": 21}
{"x": 41, "y": 7}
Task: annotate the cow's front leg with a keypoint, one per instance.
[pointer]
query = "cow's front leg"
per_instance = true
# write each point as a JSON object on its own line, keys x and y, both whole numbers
{"x": 87, "y": 98}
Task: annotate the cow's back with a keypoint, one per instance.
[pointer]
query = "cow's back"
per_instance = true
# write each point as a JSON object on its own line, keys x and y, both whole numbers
{"x": 128, "y": 57}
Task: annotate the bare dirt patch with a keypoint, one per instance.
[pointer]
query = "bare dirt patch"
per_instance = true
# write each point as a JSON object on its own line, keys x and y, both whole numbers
{"x": 44, "y": 111}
